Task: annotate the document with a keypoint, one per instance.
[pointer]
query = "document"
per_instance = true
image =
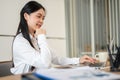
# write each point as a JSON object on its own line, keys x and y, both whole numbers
{"x": 76, "y": 73}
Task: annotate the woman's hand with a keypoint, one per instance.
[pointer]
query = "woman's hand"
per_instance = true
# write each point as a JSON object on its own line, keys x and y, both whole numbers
{"x": 40, "y": 31}
{"x": 87, "y": 59}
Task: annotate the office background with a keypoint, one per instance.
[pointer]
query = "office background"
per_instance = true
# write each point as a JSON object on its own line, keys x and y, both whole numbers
{"x": 74, "y": 27}
{"x": 91, "y": 25}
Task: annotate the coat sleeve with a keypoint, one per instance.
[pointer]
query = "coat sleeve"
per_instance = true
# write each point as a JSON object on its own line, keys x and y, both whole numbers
{"x": 63, "y": 60}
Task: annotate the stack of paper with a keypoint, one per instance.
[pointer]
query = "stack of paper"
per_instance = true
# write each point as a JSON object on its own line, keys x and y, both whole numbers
{"x": 78, "y": 73}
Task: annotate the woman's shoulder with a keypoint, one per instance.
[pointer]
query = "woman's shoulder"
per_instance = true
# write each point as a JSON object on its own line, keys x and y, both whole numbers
{"x": 20, "y": 37}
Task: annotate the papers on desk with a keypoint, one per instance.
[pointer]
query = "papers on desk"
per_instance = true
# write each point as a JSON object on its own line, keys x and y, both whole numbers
{"x": 78, "y": 73}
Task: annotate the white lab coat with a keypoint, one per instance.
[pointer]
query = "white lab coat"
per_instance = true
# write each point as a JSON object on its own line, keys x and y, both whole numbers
{"x": 25, "y": 56}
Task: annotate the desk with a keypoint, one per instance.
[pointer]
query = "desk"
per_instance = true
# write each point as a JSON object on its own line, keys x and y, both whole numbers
{"x": 18, "y": 77}
{"x": 11, "y": 77}
{"x": 108, "y": 70}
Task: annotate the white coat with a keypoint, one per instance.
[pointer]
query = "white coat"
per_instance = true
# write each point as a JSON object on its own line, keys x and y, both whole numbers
{"x": 25, "y": 56}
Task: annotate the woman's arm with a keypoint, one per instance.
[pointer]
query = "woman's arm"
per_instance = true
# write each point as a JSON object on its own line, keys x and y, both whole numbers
{"x": 63, "y": 60}
{"x": 66, "y": 60}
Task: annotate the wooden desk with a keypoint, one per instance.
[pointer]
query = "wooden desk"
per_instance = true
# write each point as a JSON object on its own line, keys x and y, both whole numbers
{"x": 11, "y": 77}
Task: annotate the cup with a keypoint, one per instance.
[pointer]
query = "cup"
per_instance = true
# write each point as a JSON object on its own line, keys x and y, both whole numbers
{"x": 101, "y": 56}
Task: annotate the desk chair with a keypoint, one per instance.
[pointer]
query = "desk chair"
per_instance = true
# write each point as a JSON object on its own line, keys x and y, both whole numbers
{"x": 5, "y": 68}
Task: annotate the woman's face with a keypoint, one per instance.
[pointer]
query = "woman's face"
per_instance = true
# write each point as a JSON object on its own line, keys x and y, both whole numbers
{"x": 35, "y": 20}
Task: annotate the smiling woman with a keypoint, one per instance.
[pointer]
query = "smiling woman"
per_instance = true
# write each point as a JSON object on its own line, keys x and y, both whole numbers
{"x": 30, "y": 47}
{"x": 9, "y": 24}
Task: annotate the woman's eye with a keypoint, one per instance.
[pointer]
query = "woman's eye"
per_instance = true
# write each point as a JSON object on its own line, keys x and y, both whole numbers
{"x": 38, "y": 16}
{"x": 43, "y": 18}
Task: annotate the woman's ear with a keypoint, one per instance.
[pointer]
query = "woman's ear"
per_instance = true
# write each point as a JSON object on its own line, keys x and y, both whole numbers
{"x": 26, "y": 16}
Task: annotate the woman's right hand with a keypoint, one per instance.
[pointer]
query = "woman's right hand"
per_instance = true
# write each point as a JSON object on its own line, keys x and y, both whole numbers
{"x": 40, "y": 31}
{"x": 87, "y": 59}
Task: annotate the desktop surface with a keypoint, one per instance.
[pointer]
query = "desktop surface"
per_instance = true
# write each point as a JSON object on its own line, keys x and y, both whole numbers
{"x": 19, "y": 77}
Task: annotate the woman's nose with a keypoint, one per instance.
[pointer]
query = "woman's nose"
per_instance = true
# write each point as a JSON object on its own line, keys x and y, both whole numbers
{"x": 41, "y": 20}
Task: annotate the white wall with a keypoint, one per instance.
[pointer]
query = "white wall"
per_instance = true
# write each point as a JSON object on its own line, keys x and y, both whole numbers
{"x": 54, "y": 24}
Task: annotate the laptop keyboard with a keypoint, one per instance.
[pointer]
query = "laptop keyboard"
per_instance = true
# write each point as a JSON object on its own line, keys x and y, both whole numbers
{"x": 100, "y": 64}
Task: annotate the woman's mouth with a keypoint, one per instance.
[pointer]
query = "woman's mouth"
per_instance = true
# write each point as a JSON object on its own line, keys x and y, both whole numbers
{"x": 38, "y": 25}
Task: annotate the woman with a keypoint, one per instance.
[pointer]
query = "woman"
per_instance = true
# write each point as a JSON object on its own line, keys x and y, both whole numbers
{"x": 30, "y": 48}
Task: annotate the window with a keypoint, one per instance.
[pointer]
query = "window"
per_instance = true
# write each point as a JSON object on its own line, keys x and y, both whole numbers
{"x": 91, "y": 25}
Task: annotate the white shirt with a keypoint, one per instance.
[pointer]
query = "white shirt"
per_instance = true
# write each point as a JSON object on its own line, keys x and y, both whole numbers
{"x": 25, "y": 56}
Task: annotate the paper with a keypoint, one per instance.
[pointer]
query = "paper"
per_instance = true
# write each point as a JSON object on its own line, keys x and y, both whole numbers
{"x": 78, "y": 73}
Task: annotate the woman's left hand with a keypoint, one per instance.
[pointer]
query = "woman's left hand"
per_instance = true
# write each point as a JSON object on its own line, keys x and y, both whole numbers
{"x": 40, "y": 31}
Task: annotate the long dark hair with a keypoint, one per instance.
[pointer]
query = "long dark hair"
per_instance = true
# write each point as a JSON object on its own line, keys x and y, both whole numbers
{"x": 30, "y": 7}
